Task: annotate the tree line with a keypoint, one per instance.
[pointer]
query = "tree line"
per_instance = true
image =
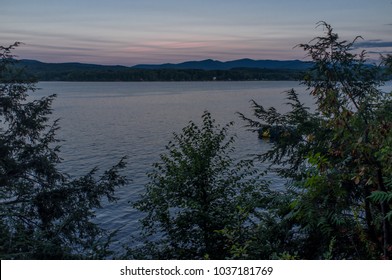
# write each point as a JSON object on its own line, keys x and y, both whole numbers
{"x": 110, "y": 74}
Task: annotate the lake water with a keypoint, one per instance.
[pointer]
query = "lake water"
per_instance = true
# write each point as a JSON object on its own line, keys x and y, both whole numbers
{"x": 102, "y": 122}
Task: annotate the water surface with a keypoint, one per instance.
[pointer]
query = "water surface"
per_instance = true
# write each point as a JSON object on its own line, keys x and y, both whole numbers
{"x": 103, "y": 121}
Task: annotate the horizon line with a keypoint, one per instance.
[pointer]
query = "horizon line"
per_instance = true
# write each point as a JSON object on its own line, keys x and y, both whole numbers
{"x": 164, "y": 63}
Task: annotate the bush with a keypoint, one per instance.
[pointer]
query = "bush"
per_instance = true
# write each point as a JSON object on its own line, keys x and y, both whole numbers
{"x": 199, "y": 200}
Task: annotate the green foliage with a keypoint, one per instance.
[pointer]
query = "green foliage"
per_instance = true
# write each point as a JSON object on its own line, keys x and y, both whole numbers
{"x": 338, "y": 158}
{"x": 199, "y": 199}
{"x": 44, "y": 214}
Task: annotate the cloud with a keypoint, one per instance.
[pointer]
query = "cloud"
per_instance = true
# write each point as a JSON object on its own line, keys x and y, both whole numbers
{"x": 383, "y": 52}
{"x": 61, "y": 48}
{"x": 373, "y": 44}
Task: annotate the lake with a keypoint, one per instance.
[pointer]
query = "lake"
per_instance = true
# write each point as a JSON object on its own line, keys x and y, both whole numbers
{"x": 102, "y": 122}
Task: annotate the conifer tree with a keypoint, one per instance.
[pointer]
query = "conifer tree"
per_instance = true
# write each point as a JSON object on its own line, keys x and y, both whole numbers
{"x": 43, "y": 213}
{"x": 338, "y": 158}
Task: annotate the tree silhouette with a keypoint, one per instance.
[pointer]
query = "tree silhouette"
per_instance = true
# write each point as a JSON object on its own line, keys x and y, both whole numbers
{"x": 44, "y": 214}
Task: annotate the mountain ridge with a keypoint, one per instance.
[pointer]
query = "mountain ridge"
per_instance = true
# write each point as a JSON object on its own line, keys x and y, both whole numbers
{"x": 210, "y": 64}
{"x": 207, "y": 64}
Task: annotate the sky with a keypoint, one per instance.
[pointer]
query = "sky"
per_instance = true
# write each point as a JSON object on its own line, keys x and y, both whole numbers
{"x": 130, "y": 32}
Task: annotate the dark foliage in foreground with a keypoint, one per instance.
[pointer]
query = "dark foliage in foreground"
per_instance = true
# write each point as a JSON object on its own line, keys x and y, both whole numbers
{"x": 43, "y": 213}
{"x": 199, "y": 200}
{"x": 339, "y": 158}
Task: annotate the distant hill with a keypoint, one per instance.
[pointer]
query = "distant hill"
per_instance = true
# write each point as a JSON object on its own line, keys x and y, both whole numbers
{"x": 206, "y": 70}
{"x": 38, "y": 66}
{"x": 210, "y": 64}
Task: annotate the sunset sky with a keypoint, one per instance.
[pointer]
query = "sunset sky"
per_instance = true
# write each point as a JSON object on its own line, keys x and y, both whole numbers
{"x": 130, "y": 32}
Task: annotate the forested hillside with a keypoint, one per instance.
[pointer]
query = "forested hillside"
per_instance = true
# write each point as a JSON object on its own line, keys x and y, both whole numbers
{"x": 91, "y": 72}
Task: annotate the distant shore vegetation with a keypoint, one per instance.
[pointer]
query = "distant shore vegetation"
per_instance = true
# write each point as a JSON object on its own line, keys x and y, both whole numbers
{"x": 257, "y": 70}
